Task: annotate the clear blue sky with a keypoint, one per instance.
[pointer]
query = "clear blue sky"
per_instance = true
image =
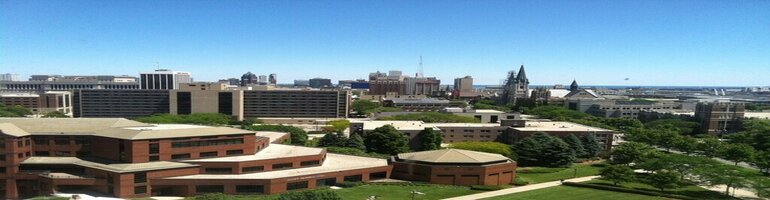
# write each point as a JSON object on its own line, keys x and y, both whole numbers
{"x": 651, "y": 42}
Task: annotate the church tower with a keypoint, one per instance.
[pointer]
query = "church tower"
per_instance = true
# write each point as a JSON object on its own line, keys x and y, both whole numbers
{"x": 573, "y": 86}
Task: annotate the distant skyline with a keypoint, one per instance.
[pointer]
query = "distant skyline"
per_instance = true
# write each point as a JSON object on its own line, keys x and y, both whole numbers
{"x": 602, "y": 42}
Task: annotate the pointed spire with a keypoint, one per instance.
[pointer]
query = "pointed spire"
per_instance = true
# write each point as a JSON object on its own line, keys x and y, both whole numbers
{"x": 522, "y": 76}
{"x": 574, "y": 85}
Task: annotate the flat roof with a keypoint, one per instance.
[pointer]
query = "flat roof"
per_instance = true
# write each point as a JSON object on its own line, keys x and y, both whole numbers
{"x": 558, "y": 126}
{"x": 12, "y": 130}
{"x": 274, "y": 136}
{"x": 758, "y": 115}
{"x": 490, "y": 111}
{"x": 272, "y": 151}
{"x": 439, "y": 125}
{"x": 107, "y": 166}
{"x": 333, "y": 163}
{"x": 416, "y": 100}
{"x": 399, "y": 125}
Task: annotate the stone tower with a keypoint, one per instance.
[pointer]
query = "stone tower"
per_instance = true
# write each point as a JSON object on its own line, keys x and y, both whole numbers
{"x": 516, "y": 87}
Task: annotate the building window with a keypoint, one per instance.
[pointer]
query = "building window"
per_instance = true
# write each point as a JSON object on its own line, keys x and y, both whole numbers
{"x": 378, "y": 175}
{"x": 250, "y": 189}
{"x": 20, "y": 143}
{"x": 82, "y": 140}
{"x": 180, "y": 156}
{"x": 2, "y": 157}
{"x": 26, "y": 142}
{"x": 61, "y": 140}
{"x": 282, "y": 166}
{"x": 208, "y": 154}
{"x": 253, "y": 169}
{"x": 207, "y": 143}
{"x": 235, "y": 152}
{"x": 326, "y": 182}
{"x": 140, "y": 177}
{"x": 154, "y": 148}
{"x": 354, "y": 178}
{"x": 296, "y": 185}
{"x": 219, "y": 170}
{"x": 309, "y": 163}
{"x": 140, "y": 189}
{"x": 210, "y": 189}
{"x": 154, "y": 158}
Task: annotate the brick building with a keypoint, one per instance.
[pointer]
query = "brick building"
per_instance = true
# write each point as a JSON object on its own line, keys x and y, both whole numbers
{"x": 129, "y": 159}
{"x": 454, "y": 167}
{"x": 719, "y": 117}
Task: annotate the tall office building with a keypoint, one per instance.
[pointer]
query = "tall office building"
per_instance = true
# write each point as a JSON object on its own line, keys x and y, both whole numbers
{"x": 464, "y": 84}
{"x": 163, "y": 79}
{"x": 249, "y": 79}
{"x": 719, "y": 117}
{"x": 273, "y": 79}
{"x": 262, "y": 80}
{"x": 9, "y": 77}
{"x": 320, "y": 82}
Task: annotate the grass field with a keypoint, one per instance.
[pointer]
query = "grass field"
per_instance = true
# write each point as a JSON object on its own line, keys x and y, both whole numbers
{"x": 573, "y": 193}
{"x": 542, "y": 174}
{"x": 384, "y": 192}
{"x": 688, "y": 190}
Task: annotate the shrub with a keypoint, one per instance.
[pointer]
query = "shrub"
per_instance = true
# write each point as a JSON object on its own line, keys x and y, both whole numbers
{"x": 310, "y": 195}
{"x": 347, "y": 184}
{"x": 519, "y": 181}
{"x": 488, "y": 187}
{"x": 214, "y": 196}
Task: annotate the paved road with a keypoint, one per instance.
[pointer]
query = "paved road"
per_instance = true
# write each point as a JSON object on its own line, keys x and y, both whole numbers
{"x": 519, "y": 189}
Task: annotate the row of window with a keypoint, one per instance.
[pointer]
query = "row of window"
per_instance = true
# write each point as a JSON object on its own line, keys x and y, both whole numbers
{"x": 207, "y": 143}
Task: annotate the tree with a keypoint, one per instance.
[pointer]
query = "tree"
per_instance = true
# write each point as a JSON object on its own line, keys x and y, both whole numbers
{"x": 631, "y": 152}
{"x": 355, "y": 141}
{"x": 297, "y": 135}
{"x": 386, "y": 140}
{"x": 310, "y": 195}
{"x": 762, "y": 161}
{"x": 738, "y": 153}
{"x": 544, "y": 150}
{"x": 489, "y": 147}
{"x": 710, "y": 147}
{"x": 663, "y": 179}
{"x": 761, "y": 187}
{"x": 55, "y": 114}
{"x": 591, "y": 145}
{"x": 667, "y": 138}
{"x": 333, "y": 140}
{"x": 617, "y": 174}
{"x": 686, "y": 144}
{"x": 364, "y": 107}
{"x": 339, "y": 126}
{"x": 429, "y": 139}
{"x": 731, "y": 176}
{"x": 574, "y": 143}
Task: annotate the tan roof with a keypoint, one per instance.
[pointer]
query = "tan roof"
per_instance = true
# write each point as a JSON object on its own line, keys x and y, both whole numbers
{"x": 112, "y": 167}
{"x": 274, "y": 136}
{"x": 76, "y": 126}
{"x": 558, "y": 126}
{"x": 145, "y": 133}
{"x": 399, "y": 125}
{"x": 12, "y": 130}
{"x": 272, "y": 151}
{"x": 452, "y": 156}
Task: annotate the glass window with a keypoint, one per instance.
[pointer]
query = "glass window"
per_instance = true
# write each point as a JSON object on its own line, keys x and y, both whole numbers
{"x": 140, "y": 189}
{"x": 140, "y": 177}
{"x": 296, "y": 185}
{"x": 253, "y": 169}
{"x": 249, "y": 189}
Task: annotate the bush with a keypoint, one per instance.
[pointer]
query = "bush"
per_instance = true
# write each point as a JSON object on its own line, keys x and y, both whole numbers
{"x": 355, "y": 152}
{"x": 214, "y": 196}
{"x": 310, "y": 195}
{"x": 519, "y": 181}
{"x": 488, "y": 187}
{"x": 347, "y": 184}
{"x": 298, "y": 136}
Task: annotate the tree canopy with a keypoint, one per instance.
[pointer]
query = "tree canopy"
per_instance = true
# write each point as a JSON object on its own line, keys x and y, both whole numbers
{"x": 194, "y": 118}
{"x": 631, "y": 152}
{"x": 386, "y": 140}
{"x": 429, "y": 139}
{"x": 544, "y": 150}
{"x": 14, "y": 111}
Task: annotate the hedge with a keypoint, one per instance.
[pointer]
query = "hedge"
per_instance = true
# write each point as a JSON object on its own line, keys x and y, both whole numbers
{"x": 488, "y": 187}
{"x": 627, "y": 190}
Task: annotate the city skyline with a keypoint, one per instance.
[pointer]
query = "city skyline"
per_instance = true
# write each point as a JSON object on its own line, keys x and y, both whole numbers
{"x": 657, "y": 43}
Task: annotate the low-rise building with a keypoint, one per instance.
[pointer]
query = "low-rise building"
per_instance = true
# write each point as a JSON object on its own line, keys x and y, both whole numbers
{"x": 40, "y": 103}
{"x": 417, "y": 105}
{"x": 454, "y": 167}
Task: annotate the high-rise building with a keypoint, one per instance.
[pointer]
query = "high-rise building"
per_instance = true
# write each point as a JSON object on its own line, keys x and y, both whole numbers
{"x": 262, "y": 80}
{"x": 463, "y": 87}
{"x": 9, "y": 77}
{"x": 301, "y": 83}
{"x": 163, "y": 79}
{"x": 44, "y": 83}
{"x": 516, "y": 87}
{"x": 249, "y": 79}
{"x": 320, "y": 82}
{"x": 396, "y": 83}
{"x": 718, "y": 118}
{"x": 273, "y": 79}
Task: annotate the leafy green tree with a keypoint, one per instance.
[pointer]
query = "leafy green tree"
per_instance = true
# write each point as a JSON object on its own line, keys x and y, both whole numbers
{"x": 355, "y": 141}
{"x": 675, "y": 162}
{"x": 591, "y": 145}
{"x": 663, "y": 179}
{"x": 297, "y": 135}
{"x": 489, "y": 147}
{"x": 667, "y": 138}
{"x": 762, "y": 161}
{"x": 364, "y": 107}
{"x": 19, "y": 111}
{"x": 617, "y": 174}
{"x": 731, "y": 176}
{"x": 738, "y": 153}
{"x": 681, "y": 126}
{"x": 574, "y": 143}
{"x": 333, "y": 140}
{"x": 631, "y": 152}
{"x": 686, "y": 144}
{"x": 544, "y": 150}
{"x": 55, "y": 114}
{"x": 250, "y": 122}
{"x": 429, "y": 139}
{"x": 195, "y": 118}
{"x": 386, "y": 140}
{"x": 339, "y": 125}
{"x": 761, "y": 187}
{"x": 622, "y": 123}
{"x": 710, "y": 147}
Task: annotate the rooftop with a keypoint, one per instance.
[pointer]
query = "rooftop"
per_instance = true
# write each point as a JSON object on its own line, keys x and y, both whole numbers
{"x": 420, "y": 100}
{"x": 399, "y": 125}
{"x": 489, "y": 111}
{"x": 272, "y": 151}
{"x": 12, "y": 130}
{"x": 453, "y": 156}
{"x": 274, "y": 136}
{"x": 333, "y": 163}
{"x": 439, "y": 125}
{"x": 558, "y": 126}
{"x": 107, "y": 166}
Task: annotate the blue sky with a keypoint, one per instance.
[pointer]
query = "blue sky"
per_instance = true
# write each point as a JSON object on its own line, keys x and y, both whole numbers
{"x": 651, "y": 42}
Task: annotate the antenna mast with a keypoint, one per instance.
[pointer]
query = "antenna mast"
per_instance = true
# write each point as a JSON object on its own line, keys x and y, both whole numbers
{"x": 421, "y": 72}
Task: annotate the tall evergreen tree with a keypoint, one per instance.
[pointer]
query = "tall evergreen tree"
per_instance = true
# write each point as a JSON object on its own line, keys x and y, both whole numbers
{"x": 591, "y": 145}
{"x": 332, "y": 140}
{"x": 355, "y": 141}
{"x": 544, "y": 150}
{"x": 574, "y": 143}
{"x": 429, "y": 139}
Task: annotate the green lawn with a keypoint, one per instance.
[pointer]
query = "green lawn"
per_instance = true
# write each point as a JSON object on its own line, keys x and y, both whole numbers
{"x": 542, "y": 174}
{"x": 576, "y": 193}
{"x": 404, "y": 191}
{"x": 688, "y": 190}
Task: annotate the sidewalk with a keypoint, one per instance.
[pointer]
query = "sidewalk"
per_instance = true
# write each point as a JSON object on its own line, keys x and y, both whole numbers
{"x": 520, "y": 189}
